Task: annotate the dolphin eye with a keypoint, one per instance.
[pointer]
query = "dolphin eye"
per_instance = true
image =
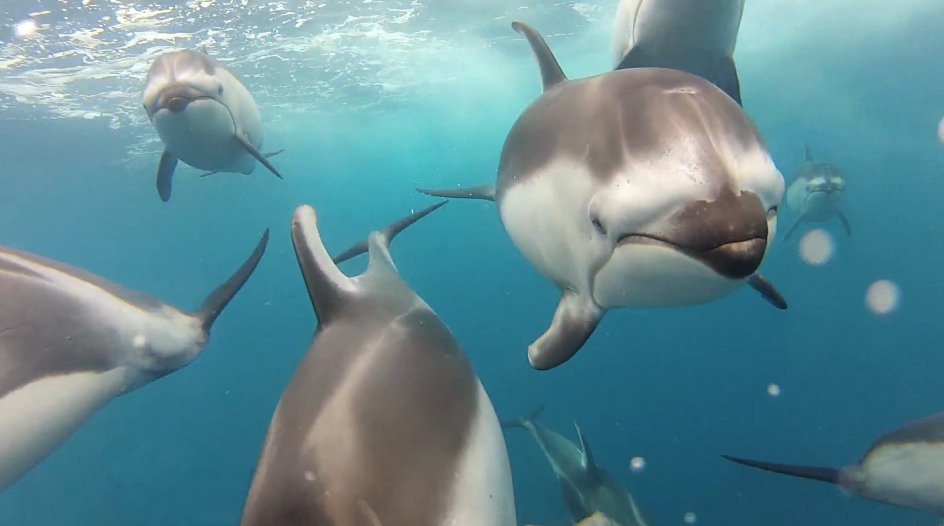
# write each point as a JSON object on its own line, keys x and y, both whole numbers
{"x": 220, "y": 91}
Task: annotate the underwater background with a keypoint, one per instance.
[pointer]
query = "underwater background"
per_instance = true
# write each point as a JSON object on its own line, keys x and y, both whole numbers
{"x": 372, "y": 99}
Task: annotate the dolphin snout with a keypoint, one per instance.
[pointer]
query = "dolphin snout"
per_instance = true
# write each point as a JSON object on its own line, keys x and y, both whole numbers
{"x": 728, "y": 234}
{"x": 175, "y": 98}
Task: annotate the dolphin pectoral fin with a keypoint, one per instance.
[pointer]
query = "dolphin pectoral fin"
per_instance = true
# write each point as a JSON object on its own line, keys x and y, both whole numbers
{"x": 387, "y": 235}
{"x": 726, "y": 78}
{"x": 793, "y": 228}
{"x": 270, "y": 154}
{"x": 551, "y": 72}
{"x": 214, "y": 304}
{"x": 830, "y": 475}
{"x": 845, "y": 223}
{"x": 589, "y": 463}
{"x": 574, "y": 321}
{"x": 165, "y": 172}
{"x": 767, "y": 291}
{"x": 485, "y": 192}
{"x": 247, "y": 144}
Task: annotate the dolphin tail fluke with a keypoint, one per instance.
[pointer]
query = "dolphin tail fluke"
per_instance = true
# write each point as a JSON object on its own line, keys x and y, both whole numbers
{"x": 387, "y": 233}
{"x": 726, "y": 78}
{"x": 485, "y": 192}
{"x": 165, "y": 173}
{"x": 845, "y": 223}
{"x": 251, "y": 148}
{"x": 830, "y": 475}
{"x": 574, "y": 321}
{"x": 551, "y": 72}
{"x": 219, "y": 298}
{"x": 523, "y": 421}
{"x": 767, "y": 291}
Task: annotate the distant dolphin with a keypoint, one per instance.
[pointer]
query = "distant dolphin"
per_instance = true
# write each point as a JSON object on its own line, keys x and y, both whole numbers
{"x": 904, "y": 468}
{"x": 697, "y": 36}
{"x": 204, "y": 115}
{"x": 597, "y": 519}
{"x": 585, "y": 487}
{"x": 815, "y": 193}
{"x": 71, "y": 341}
{"x": 640, "y": 187}
{"x": 384, "y": 422}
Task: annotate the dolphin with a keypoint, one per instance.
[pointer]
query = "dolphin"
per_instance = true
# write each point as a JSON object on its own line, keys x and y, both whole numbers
{"x": 587, "y": 489}
{"x": 71, "y": 341}
{"x": 642, "y": 187}
{"x": 384, "y": 421}
{"x": 597, "y": 519}
{"x": 904, "y": 467}
{"x": 815, "y": 193}
{"x": 204, "y": 115}
{"x": 696, "y": 36}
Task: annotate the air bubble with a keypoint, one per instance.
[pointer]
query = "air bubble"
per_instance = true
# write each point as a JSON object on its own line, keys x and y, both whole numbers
{"x": 816, "y": 247}
{"x": 690, "y": 518}
{"x": 882, "y": 297}
{"x": 637, "y": 464}
{"x": 773, "y": 390}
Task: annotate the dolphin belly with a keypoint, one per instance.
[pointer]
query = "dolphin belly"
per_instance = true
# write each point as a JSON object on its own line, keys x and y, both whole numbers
{"x": 483, "y": 491}
{"x": 908, "y": 474}
{"x": 203, "y": 136}
{"x": 41, "y": 415}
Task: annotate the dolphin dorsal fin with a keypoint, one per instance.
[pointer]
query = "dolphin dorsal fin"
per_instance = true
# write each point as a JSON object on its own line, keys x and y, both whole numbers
{"x": 377, "y": 245}
{"x": 551, "y": 72}
{"x": 807, "y": 156}
{"x": 588, "y": 462}
{"x": 327, "y": 285}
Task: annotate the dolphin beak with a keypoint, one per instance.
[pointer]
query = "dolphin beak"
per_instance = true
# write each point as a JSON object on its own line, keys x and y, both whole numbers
{"x": 175, "y": 98}
{"x": 729, "y": 234}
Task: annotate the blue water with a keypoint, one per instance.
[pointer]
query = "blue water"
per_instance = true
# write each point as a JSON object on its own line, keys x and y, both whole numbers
{"x": 678, "y": 387}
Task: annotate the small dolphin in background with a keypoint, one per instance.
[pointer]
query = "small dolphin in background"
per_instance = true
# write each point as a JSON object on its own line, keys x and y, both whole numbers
{"x": 204, "y": 115}
{"x": 697, "y": 36}
{"x": 904, "y": 467}
{"x": 642, "y": 187}
{"x": 71, "y": 341}
{"x": 597, "y": 519}
{"x": 815, "y": 193}
{"x": 384, "y": 422}
{"x": 586, "y": 488}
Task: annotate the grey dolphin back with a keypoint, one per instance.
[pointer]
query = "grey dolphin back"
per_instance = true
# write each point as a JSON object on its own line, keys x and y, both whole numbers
{"x": 928, "y": 430}
{"x": 551, "y": 72}
{"x": 822, "y": 474}
{"x": 214, "y": 304}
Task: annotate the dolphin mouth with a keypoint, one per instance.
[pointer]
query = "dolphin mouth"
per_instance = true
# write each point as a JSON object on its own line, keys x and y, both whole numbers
{"x": 176, "y": 98}
{"x": 735, "y": 259}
